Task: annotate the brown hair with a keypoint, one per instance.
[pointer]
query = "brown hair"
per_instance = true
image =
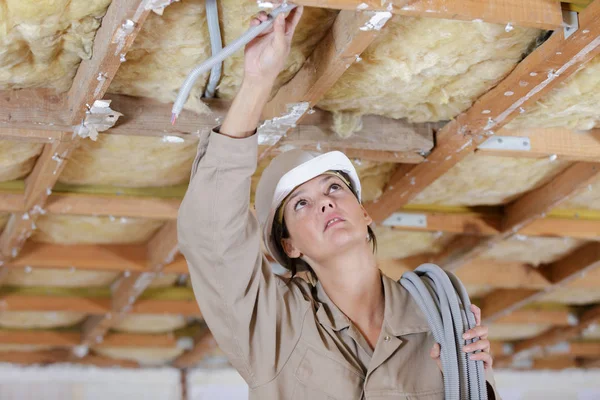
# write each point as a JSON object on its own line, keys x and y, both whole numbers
{"x": 280, "y": 231}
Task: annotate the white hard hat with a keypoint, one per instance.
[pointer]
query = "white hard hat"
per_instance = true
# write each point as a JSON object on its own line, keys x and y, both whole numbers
{"x": 286, "y": 172}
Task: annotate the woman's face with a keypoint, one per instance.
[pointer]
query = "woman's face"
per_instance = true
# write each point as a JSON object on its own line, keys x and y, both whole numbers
{"x": 323, "y": 218}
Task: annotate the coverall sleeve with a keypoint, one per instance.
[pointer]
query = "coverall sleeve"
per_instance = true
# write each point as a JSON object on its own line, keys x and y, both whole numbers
{"x": 254, "y": 315}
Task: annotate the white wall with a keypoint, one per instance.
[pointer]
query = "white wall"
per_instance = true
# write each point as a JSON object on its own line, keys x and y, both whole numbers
{"x": 226, "y": 384}
{"x": 73, "y": 382}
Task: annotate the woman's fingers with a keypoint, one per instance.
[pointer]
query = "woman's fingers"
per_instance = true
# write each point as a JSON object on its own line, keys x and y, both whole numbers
{"x": 478, "y": 345}
{"x": 293, "y": 20}
{"x": 483, "y": 356}
{"x": 477, "y": 311}
{"x": 478, "y": 331}
{"x": 435, "y": 351}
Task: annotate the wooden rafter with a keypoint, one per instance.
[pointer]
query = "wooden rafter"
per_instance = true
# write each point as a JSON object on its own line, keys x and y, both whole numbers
{"x": 559, "y": 143}
{"x": 120, "y": 25}
{"x": 530, "y": 207}
{"x": 95, "y": 306}
{"x": 556, "y": 335}
{"x": 161, "y": 251}
{"x": 503, "y": 301}
{"x": 351, "y": 33}
{"x": 567, "y": 223}
{"x": 533, "y": 13}
{"x": 203, "y": 345}
{"x": 541, "y": 71}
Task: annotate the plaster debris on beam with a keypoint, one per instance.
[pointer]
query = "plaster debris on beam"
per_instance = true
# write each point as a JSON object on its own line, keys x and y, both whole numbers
{"x": 270, "y": 131}
{"x": 377, "y": 21}
{"x": 158, "y": 6}
{"x": 99, "y": 118}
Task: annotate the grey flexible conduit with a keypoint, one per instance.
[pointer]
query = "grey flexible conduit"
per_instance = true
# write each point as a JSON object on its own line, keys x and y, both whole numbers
{"x": 218, "y": 58}
{"x": 216, "y": 45}
{"x": 446, "y": 305}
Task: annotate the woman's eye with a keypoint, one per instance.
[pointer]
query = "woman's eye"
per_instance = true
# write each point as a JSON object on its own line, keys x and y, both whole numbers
{"x": 300, "y": 204}
{"x": 334, "y": 186}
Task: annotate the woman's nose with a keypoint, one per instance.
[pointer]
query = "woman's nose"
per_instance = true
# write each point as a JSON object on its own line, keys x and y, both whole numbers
{"x": 326, "y": 205}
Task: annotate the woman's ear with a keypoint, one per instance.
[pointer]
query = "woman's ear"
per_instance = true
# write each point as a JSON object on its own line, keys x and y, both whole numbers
{"x": 290, "y": 249}
{"x": 366, "y": 216}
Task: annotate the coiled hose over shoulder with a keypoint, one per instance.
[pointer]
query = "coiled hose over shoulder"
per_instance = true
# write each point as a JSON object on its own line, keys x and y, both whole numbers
{"x": 445, "y": 302}
{"x": 186, "y": 88}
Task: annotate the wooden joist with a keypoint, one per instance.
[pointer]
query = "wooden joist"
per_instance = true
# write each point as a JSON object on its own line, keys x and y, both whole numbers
{"x": 555, "y": 335}
{"x": 533, "y": 13}
{"x": 204, "y": 344}
{"x": 555, "y": 143}
{"x": 44, "y": 357}
{"x": 503, "y": 301}
{"x": 95, "y": 305}
{"x": 161, "y": 251}
{"x": 351, "y": 33}
{"x": 541, "y": 71}
{"x": 530, "y": 207}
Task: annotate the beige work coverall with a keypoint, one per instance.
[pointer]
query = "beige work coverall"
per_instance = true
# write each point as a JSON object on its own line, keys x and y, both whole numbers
{"x": 288, "y": 340}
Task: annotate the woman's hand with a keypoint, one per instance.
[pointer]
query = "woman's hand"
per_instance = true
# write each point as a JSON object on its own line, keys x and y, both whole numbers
{"x": 482, "y": 344}
{"x": 265, "y": 55}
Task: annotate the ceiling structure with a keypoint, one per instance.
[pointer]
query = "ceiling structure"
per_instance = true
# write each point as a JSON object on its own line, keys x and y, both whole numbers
{"x": 473, "y": 125}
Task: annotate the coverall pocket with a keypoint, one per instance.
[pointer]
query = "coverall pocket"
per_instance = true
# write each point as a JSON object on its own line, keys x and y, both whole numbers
{"x": 319, "y": 377}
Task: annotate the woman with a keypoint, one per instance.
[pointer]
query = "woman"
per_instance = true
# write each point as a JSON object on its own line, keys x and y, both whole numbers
{"x": 355, "y": 334}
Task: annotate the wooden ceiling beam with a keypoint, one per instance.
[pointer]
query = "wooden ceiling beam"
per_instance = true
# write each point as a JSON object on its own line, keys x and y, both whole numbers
{"x": 351, "y": 33}
{"x": 502, "y": 302}
{"x": 95, "y": 305}
{"x": 541, "y": 71}
{"x": 161, "y": 251}
{"x": 120, "y": 25}
{"x": 204, "y": 344}
{"x": 555, "y": 143}
{"x": 532, "y": 13}
{"x": 45, "y": 357}
{"x": 531, "y": 207}
{"x": 547, "y": 340}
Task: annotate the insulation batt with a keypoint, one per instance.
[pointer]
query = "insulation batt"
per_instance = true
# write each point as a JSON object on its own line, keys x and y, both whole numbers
{"x": 150, "y": 323}
{"x": 489, "y": 180}
{"x": 39, "y": 319}
{"x": 130, "y": 161}
{"x": 17, "y": 158}
{"x": 589, "y": 198}
{"x": 425, "y": 70}
{"x": 581, "y": 291}
{"x": 65, "y": 278}
{"x": 515, "y": 331}
{"x": 394, "y": 243}
{"x": 144, "y": 356}
{"x": 42, "y": 43}
{"x": 573, "y": 104}
{"x": 75, "y": 229}
{"x": 533, "y": 250}
{"x": 169, "y": 47}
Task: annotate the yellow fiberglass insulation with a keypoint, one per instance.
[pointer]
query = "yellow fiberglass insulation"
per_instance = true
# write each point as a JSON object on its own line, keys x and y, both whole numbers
{"x": 39, "y": 319}
{"x": 592, "y": 332}
{"x": 17, "y": 159}
{"x": 152, "y": 356}
{"x": 589, "y": 198}
{"x": 572, "y": 104}
{"x": 426, "y": 69}
{"x": 581, "y": 291}
{"x": 164, "y": 52}
{"x": 533, "y": 250}
{"x": 164, "y": 280}
{"x": 170, "y": 46}
{"x": 75, "y": 229}
{"x": 394, "y": 243}
{"x": 43, "y": 42}
{"x": 66, "y": 278}
{"x": 130, "y": 161}
{"x": 150, "y": 323}
{"x": 489, "y": 180}
{"x": 235, "y": 16}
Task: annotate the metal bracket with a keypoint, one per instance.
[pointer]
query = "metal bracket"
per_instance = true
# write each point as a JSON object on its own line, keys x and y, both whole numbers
{"x": 571, "y": 22}
{"x": 519, "y": 143}
{"x": 408, "y": 220}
